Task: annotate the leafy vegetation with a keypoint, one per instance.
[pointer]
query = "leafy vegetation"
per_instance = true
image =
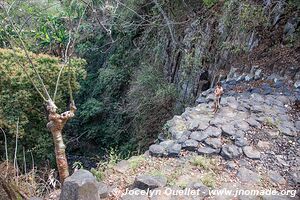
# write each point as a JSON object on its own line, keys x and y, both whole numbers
{"x": 20, "y": 102}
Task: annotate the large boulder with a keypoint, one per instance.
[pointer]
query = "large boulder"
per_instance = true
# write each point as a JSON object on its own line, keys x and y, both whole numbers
{"x": 82, "y": 185}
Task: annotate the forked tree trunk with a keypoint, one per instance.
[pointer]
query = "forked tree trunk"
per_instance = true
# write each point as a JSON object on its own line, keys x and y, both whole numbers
{"x": 55, "y": 125}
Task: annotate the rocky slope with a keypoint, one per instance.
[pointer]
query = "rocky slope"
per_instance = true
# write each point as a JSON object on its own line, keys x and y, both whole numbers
{"x": 252, "y": 142}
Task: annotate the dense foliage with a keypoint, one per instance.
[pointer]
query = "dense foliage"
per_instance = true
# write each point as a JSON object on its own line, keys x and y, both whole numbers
{"x": 20, "y": 102}
{"x": 145, "y": 63}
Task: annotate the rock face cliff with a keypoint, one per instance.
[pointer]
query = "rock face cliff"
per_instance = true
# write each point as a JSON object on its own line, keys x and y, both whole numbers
{"x": 251, "y": 143}
{"x": 215, "y": 41}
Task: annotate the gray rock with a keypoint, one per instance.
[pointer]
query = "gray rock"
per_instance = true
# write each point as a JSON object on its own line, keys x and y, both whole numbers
{"x": 182, "y": 139}
{"x": 81, "y": 185}
{"x": 297, "y": 125}
{"x": 213, "y": 131}
{"x": 210, "y": 97}
{"x": 145, "y": 182}
{"x": 199, "y": 136}
{"x": 166, "y": 144}
{"x": 241, "y": 78}
{"x": 239, "y": 134}
{"x": 214, "y": 142}
{"x": 283, "y": 99}
{"x": 250, "y": 152}
{"x": 122, "y": 166}
{"x": 241, "y": 142}
{"x": 206, "y": 150}
{"x": 287, "y": 130}
{"x": 205, "y": 93}
{"x": 295, "y": 176}
{"x": 242, "y": 125}
{"x": 174, "y": 150}
{"x": 263, "y": 145}
{"x": 197, "y": 124}
{"x": 258, "y": 74}
{"x": 190, "y": 145}
{"x": 231, "y": 151}
{"x": 104, "y": 190}
{"x": 231, "y": 165}
{"x": 228, "y": 129}
{"x": 201, "y": 100}
{"x": 249, "y": 77}
{"x": 252, "y": 122}
{"x": 276, "y": 178}
{"x": 203, "y": 190}
{"x": 297, "y": 84}
{"x": 135, "y": 194}
{"x": 257, "y": 108}
{"x": 157, "y": 150}
{"x": 247, "y": 176}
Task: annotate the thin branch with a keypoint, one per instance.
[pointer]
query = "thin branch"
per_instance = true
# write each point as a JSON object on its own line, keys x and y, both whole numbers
{"x": 16, "y": 149}
{"x": 167, "y": 21}
{"x": 6, "y": 152}
{"x": 24, "y": 161}
{"x": 66, "y": 57}
{"x": 23, "y": 47}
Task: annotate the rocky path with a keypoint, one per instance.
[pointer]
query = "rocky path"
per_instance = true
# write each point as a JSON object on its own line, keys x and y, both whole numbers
{"x": 251, "y": 144}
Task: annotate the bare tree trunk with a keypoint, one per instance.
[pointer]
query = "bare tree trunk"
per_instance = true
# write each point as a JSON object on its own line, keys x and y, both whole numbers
{"x": 55, "y": 125}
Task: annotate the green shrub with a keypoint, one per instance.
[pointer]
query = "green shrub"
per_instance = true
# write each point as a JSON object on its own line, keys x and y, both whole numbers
{"x": 210, "y": 3}
{"x": 19, "y": 100}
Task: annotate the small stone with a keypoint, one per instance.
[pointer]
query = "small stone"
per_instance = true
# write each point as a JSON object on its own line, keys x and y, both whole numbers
{"x": 252, "y": 122}
{"x": 242, "y": 125}
{"x": 198, "y": 186}
{"x": 122, "y": 166}
{"x": 190, "y": 145}
{"x": 241, "y": 78}
{"x": 297, "y": 125}
{"x": 249, "y": 77}
{"x": 213, "y": 131}
{"x": 251, "y": 153}
{"x": 230, "y": 151}
{"x": 258, "y": 74}
{"x": 263, "y": 145}
{"x": 228, "y": 129}
{"x": 297, "y": 84}
{"x": 145, "y": 182}
{"x": 182, "y": 139}
{"x": 241, "y": 142}
{"x": 247, "y": 176}
{"x": 199, "y": 136}
{"x": 214, "y": 142}
{"x": 286, "y": 130}
{"x": 276, "y": 178}
{"x": 208, "y": 150}
{"x": 156, "y": 150}
{"x": 295, "y": 176}
{"x": 167, "y": 143}
{"x": 257, "y": 108}
{"x": 231, "y": 165}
